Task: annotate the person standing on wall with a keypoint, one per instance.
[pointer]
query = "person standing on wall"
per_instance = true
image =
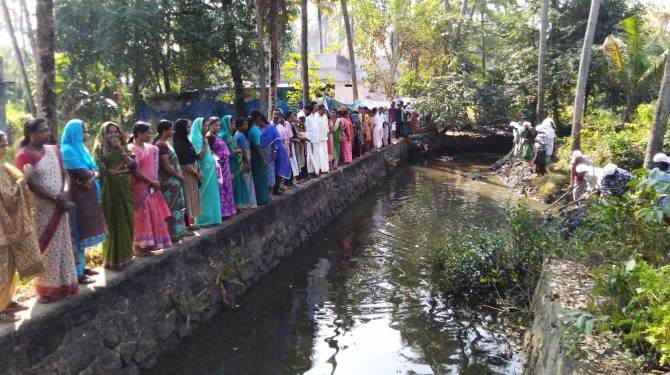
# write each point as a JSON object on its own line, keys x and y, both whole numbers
{"x": 46, "y": 176}
{"x": 88, "y": 226}
{"x": 259, "y": 165}
{"x": 19, "y": 249}
{"x": 322, "y": 123}
{"x": 313, "y": 135}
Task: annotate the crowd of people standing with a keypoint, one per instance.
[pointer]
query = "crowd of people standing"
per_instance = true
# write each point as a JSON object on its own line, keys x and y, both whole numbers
{"x": 140, "y": 194}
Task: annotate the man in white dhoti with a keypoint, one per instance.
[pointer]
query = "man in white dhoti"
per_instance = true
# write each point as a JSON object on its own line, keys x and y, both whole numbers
{"x": 322, "y": 120}
{"x": 312, "y": 129}
{"x": 377, "y": 129}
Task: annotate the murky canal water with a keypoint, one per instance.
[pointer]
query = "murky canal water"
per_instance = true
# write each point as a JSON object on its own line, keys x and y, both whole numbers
{"x": 356, "y": 298}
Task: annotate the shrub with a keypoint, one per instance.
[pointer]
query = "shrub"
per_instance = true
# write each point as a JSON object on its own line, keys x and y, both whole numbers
{"x": 605, "y": 139}
{"x": 508, "y": 260}
{"x": 637, "y": 297}
{"x": 618, "y": 228}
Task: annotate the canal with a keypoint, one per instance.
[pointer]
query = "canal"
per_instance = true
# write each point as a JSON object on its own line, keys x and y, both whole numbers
{"x": 357, "y": 299}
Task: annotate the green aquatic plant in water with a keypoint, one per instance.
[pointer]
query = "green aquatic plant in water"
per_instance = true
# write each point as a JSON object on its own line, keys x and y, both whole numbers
{"x": 506, "y": 261}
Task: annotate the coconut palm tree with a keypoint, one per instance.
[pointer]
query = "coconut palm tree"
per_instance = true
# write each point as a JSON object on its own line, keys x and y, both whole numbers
{"x": 261, "y": 11}
{"x": 658, "y": 128}
{"x": 29, "y": 26}
{"x": 323, "y": 8}
{"x": 542, "y": 58}
{"x": 273, "y": 33}
{"x": 46, "y": 64}
{"x": 303, "y": 52}
{"x": 657, "y": 135}
{"x": 350, "y": 45}
{"x": 632, "y": 62}
{"x": 580, "y": 94}
{"x": 19, "y": 57}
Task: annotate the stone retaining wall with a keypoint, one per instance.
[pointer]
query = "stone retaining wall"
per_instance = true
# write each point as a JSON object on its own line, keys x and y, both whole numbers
{"x": 123, "y": 322}
{"x": 431, "y": 143}
{"x": 566, "y": 286}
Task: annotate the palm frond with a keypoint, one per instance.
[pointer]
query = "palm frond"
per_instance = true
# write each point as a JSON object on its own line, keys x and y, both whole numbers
{"x": 655, "y": 70}
{"x": 614, "y": 50}
{"x": 635, "y": 40}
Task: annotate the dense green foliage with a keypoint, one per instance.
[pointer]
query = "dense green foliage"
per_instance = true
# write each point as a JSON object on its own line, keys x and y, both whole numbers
{"x": 479, "y": 68}
{"x": 605, "y": 139}
{"x": 625, "y": 240}
{"x": 637, "y": 302}
{"x": 507, "y": 260}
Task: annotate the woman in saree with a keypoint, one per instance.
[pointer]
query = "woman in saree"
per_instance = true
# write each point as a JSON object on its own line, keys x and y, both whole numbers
{"x": 243, "y": 182}
{"x": 170, "y": 177}
{"x": 226, "y": 133}
{"x": 291, "y": 132}
{"x": 358, "y": 140}
{"x": 188, "y": 161}
{"x": 347, "y": 135}
{"x": 336, "y": 137}
{"x": 259, "y": 165}
{"x": 303, "y": 149}
{"x": 210, "y": 202}
{"x": 116, "y": 166}
{"x": 273, "y": 147}
{"x": 19, "y": 250}
{"x": 151, "y": 210}
{"x": 88, "y": 226}
{"x": 223, "y": 155}
{"x": 50, "y": 184}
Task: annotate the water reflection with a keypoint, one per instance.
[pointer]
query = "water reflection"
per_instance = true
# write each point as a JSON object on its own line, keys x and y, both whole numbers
{"x": 356, "y": 299}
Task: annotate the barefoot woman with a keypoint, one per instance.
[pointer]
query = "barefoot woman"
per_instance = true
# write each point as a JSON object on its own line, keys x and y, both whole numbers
{"x": 50, "y": 184}
{"x": 18, "y": 243}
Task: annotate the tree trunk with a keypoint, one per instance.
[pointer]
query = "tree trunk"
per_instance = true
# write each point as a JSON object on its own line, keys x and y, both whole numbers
{"x": 580, "y": 94}
{"x": 657, "y": 135}
{"x": 164, "y": 64}
{"x": 46, "y": 65}
{"x": 318, "y": 16}
{"x": 3, "y": 100}
{"x": 447, "y": 6}
{"x": 350, "y": 44}
{"x": 274, "y": 54}
{"x": 303, "y": 50}
{"x": 554, "y": 106}
{"x": 464, "y": 8}
{"x": 482, "y": 24}
{"x": 29, "y": 26}
{"x": 262, "y": 72}
{"x": 19, "y": 58}
{"x": 541, "y": 59}
{"x": 238, "y": 85}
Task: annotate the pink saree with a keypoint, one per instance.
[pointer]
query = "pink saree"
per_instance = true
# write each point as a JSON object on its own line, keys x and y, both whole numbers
{"x": 151, "y": 210}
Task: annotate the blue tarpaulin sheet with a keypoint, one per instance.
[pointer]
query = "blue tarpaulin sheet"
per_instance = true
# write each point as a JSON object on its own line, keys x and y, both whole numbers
{"x": 198, "y": 108}
{"x": 332, "y": 103}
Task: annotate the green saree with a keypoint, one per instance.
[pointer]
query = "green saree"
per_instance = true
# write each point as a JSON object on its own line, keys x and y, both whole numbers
{"x": 117, "y": 203}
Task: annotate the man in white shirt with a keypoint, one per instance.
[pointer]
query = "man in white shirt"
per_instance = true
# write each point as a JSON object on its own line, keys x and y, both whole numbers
{"x": 377, "y": 129}
{"x": 312, "y": 130}
{"x": 322, "y": 120}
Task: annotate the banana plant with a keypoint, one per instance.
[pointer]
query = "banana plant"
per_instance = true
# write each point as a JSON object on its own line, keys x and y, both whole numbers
{"x": 635, "y": 60}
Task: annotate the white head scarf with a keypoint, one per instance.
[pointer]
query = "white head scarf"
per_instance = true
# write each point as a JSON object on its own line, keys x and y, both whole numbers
{"x": 582, "y": 168}
{"x": 609, "y": 169}
{"x": 547, "y": 126}
{"x": 661, "y": 158}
